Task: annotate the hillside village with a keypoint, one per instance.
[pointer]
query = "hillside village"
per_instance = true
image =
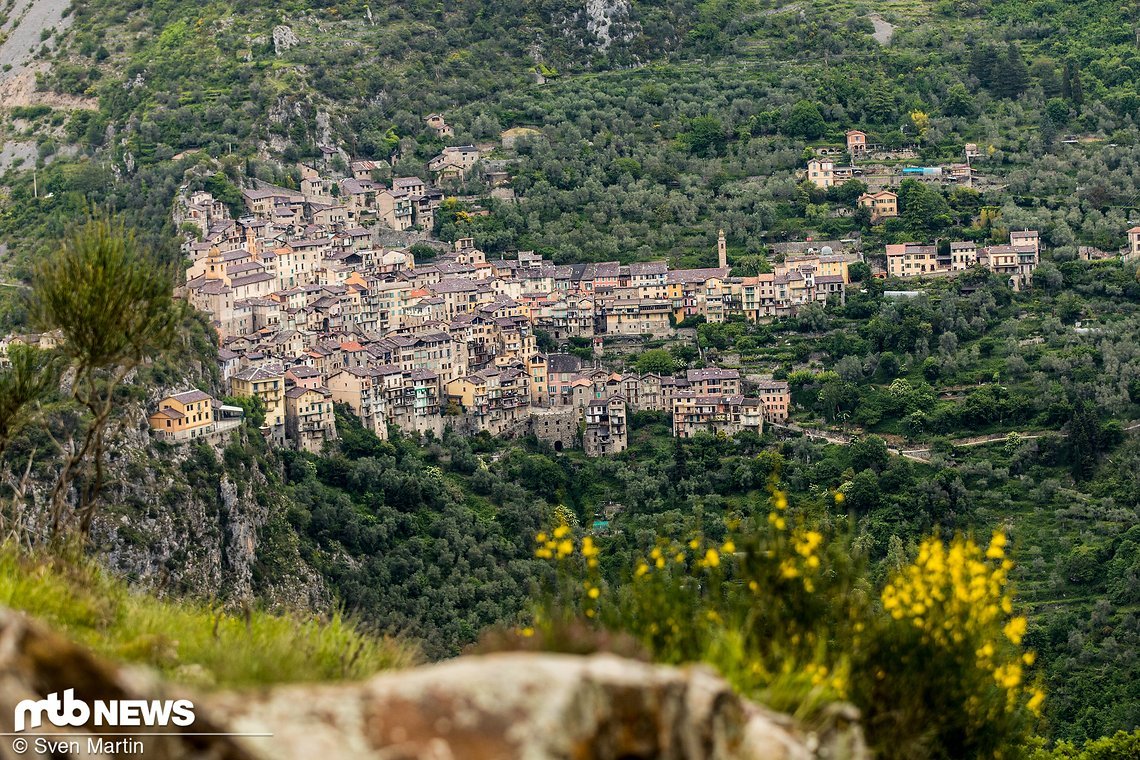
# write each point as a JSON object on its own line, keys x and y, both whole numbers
{"x": 312, "y": 309}
{"x": 310, "y": 314}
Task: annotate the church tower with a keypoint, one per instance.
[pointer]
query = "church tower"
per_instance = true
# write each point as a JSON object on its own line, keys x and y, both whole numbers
{"x": 214, "y": 268}
{"x": 721, "y": 251}
{"x": 251, "y": 242}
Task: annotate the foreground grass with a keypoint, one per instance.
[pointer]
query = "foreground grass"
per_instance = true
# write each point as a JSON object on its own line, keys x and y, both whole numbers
{"x": 186, "y": 640}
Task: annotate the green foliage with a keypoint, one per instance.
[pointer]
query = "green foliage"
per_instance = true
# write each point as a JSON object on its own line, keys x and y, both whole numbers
{"x": 805, "y": 121}
{"x": 109, "y": 297}
{"x": 420, "y": 542}
{"x": 1120, "y": 746}
{"x": 111, "y": 303}
{"x": 705, "y": 136}
{"x": 30, "y": 376}
{"x": 656, "y": 360}
{"x": 788, "y": 615}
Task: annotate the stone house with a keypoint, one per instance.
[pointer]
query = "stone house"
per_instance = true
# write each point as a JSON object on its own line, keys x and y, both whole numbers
{"x": 605, "y": 432}
{"x": 309, "y": 418}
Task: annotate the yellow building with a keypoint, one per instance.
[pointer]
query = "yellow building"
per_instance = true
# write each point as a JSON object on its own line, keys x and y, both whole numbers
{"x": 883, "y": 204}
{"x": 268, "y": 384}
{"x": 183, "y": 416}
{"x": 309, "y": 418}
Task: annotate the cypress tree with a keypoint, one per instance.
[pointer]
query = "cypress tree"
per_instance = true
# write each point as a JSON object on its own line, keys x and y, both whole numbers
{"x": 1077, "y": 91}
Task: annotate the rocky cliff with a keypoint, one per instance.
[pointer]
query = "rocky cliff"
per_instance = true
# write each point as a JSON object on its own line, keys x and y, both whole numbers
{"x": 507, "y": 706}
{"x": 205, "y": 518}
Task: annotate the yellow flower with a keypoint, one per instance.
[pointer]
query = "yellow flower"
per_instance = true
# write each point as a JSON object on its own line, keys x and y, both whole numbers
{"x": 781, "y": 523}
{"x": 839, "y": 497}
{"x": 655, "y": 553}
{"x": 728, "y": 547}
{"x": 642, "y": 569}
{"x": 679, "y": 557}
{"x": 540, "y": 538}
{"x": 594, "y": 592}
{"x": 588, "y": 547}
{"x": 543, "y": 553}
{"x": 527, "y": 632}
{"x": 1008, "y": 676}
{"x": 753, "y": 586}
{"x": 561, "y": 531}
{"x": 565, "y": 548}
{"x": 660, "y": 562}
{"x": 780, "y": 500}
{"x": 1029, "y": 658}
{"x": 694, "y": 544}
{"x": 1015, "y": 629}
{"x": 712, "y": 559}
{"x": 1034, "y": 703}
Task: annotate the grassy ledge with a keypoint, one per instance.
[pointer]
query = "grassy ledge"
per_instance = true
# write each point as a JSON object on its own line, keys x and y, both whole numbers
{"x": 190, "y": 641}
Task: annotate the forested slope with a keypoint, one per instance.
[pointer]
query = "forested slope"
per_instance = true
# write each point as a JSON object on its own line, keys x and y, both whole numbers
{"x": 661, "y": 123}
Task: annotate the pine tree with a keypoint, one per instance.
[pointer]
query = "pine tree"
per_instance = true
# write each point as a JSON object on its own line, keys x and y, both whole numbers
{"x": 983, "y": 60}
{"x": 1011, "y": 75}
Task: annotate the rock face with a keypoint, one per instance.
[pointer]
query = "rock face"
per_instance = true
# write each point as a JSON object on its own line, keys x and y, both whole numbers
{"x": 601, "y": 18}
{"x": 283, "y": 39}
{"x": 35, "y": 662}
{"x": 493, "y": 707}
{"x": 520, "y": 705}
{"x": 191, "y": 519}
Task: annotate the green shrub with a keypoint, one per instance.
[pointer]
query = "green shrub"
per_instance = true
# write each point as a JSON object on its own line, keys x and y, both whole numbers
{"x": 790, "y": 617}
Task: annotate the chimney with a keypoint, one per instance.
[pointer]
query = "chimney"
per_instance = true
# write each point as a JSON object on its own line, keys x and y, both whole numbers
{"x": 721, "y": 251}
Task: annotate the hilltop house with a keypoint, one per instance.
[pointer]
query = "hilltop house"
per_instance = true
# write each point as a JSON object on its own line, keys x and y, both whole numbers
{"x": 454, "y": 162}
{"x": 309, "y": 418}
{"x": 438, "y": 124}
{"x": 267, "y": 383}
{"x": 821, "y": 173}
{"x": 883, "y": 204}
{"x": 605, "y": 427}
{"x": 1133, "y": 243}
{"x": 184, "y": 416}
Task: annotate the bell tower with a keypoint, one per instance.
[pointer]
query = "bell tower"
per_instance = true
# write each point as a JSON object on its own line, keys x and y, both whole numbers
{"x": 214, "y": 264}
{"x": 721, "y": 250}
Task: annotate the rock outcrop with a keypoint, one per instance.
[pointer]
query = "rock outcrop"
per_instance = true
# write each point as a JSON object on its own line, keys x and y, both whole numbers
{"x": 506, "y": 705}
{"x": 36, "y": 662}
{"x": 284, "y": 38}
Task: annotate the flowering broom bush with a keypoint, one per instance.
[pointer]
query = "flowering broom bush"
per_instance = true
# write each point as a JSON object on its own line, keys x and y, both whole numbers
{"x": 787, "y": 614}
